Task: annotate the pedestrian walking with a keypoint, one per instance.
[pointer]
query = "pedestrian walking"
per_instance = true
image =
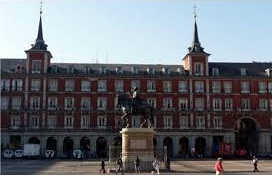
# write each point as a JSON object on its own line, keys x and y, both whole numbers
{"x": 102, "y": 167}
{"x": 156, "y": 166}
{"x": 255, "y": 163}
{"x": 137, "y": 165}
{"x": 219, "y": 167}
{"x": 120, "y": 165}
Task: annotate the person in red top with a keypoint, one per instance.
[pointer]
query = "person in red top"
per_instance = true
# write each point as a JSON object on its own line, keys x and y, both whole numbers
{"x": 218, "y": 167}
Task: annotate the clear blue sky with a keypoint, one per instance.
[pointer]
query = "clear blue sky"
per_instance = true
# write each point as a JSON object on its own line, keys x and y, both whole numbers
{"x": 138, "y": 31}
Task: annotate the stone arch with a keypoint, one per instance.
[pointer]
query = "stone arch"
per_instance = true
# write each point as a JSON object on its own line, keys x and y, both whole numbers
{"x": 51, "y": 144}
{"x": 200, "y": 146}
{"x": 101, "y": 147}
{"x": 183, "y": 146}
{"x": 246, "y": 135}
{"x": 34, "y": 140}
{"x": 85, "y": 146}
{"x": 68, "y": 147}
{"x": 168, "y": 142}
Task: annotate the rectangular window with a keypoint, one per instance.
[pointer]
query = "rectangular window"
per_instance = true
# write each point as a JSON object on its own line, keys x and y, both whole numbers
{"x": 52, "y": 122}
{"x": 135, "y": 83}
{"x": 183, "y": 104}
{"x": 17, "y": 85}
{"x": 35, "y": 103}
{"x": 200, "y": 122}
{"x": 85, "y": 86}
{"x": 5, "y": 84}
{"x": 102, "y": 103}
{"x": 216, "y": 87}
{"x": 228, "y": 104}
{"x": 85, "y": 103}
{"x": 84, "y": 122}
{"x": 199, "y": 86}
{"x": 35, "y": 85}
{"x": 15, "y": 122}
{"x": 167, "y": 103}
{"x": 68, "y": 122}
{"x": 263, "y": 104}
{"x": 69, "y": 85}
{"x": 183, "y": 86}
{"x": 68, "y": 103}
{"x": 151, "y": 86}
{"x": 34, "y": 122}
{"x": 198, "y": 68}
{"x": 199, "y": 104}
{"x": 245, "y": 104}
{"x": 53, "y": 85}
{"x": 101, "y": 122}
{"x": 262, "y": 87}
{"x": 217, "y": 122}
{"x": 270, "y": 87}
{"x": 119, "y": 85}
{"x": 243, "y": 71}
{"x": 36, "y": 66}
{"x": 4, "y": 103}
{"x": 152, "y": 102}
{"x": 102, "y": 86}
{"x": 215, "y": 71}
{"x": 227, "y": 86}
{"x": 245, "y": 87}
{"x": 16, "y": 103}
{"x": 217, "y": 104}
{"x": 184, "y": 122}
{"x": 167, "y": 122}
{"x": 52, "y": 103}
{"x": 167, "y": 86}
{"x": 135, "y": 121}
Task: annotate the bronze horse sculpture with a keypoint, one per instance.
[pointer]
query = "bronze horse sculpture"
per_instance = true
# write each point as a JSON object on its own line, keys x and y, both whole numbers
{"x": 130, "y": 106}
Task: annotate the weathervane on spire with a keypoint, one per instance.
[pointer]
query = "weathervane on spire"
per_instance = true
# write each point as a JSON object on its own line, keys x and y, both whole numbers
{"x": 41, "y": 7}
{"x": 195, "y": 10}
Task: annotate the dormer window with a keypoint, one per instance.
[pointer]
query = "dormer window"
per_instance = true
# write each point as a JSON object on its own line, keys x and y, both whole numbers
{"x": 243, "y": 71}
{"x": 18, "y": 69}
{"x": 134, "y": 70}
{"x": 166, "y": 71}
{"x": 215, "y": 71}
{"x": 87, "y": 70}
{"x": 54, "y": 69}
{"x": 268, "y": 72}
{"x": 150, "y": 70}
{"x": 119, "y": 70}
{"x": 71, "y": 70}
{"x": 181, "y": 71}
{"x": 102, "y": 70}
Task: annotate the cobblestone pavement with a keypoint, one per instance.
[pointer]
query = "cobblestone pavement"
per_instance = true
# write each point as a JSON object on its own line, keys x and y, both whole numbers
{"x": 180, "y": 167}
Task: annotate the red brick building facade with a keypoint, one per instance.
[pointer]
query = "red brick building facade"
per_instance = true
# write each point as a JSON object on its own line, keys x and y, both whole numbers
{"x": 197, "y": 104}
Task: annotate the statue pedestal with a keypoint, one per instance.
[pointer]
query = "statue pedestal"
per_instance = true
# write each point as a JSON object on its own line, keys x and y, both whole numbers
{"x": 137, "y": 142}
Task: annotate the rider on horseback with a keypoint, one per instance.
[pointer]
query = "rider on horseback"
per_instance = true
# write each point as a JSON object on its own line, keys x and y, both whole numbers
{"x": 135, "y": 99}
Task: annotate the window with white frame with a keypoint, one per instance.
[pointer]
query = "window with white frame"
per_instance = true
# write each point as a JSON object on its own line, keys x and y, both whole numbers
{"x": 217, "y": 104}
{"x": 15, "y": 121}
{"x": 4, "y": 103}
{"x": 35, "y": 84}
{"x": 200, "y": 122}
{"x": 52, "y": 103}
{"x": 34, "y": 121}
{"x": 263, "y": 104}
{"x": 227, "y": 86}
{"x": 101, "y": 103}
{"x": 102, "y": 86}
{"x": 5, "y": 84}
{"x": 85, "y": 86}
{"x": 199, "y": 86}
{"x": 198, "y": 67}
{"x": 217, "y": 122}
{"x": 85, "y": 103}
{"x": 17, "y": 85}
{"x": 134, "y": 70}
{"x": 183, "y": 104}
{"x": 53, "y": 85}
{"x": 101, "y": 122}
{"x": 69, "y": 85}
{"x": 152, "y": 102}
{"x": 228, "y": 104}
{"x": 52, "y": 122}
{"x": 270, "y": 87}
{"x": 155, "y": 122}
{"x": 36, "y": 66}
{"x": 68, "y": 122}
{"x": 167, "y": 103}
{"x": 245, "y": 102}
{"x": 167, "y": 122}
{"x": 119, "y": 85}
{"x": 243, "y": 71}
{"x": 135, "y": 121}
{"x": 151, "y": 86}
{"x": 199, "y": 104}
{"x": 167, "y": 86}
{"x": 70, "y": 69}
{"x": 262, "y": 87}
{"x": 183, "y": 86}
{"x": 35, "y": 103}
{"x": 135, "y": 83}
{"x": 270, "y": 104}
{"x": 216, "y": 87}
{"x": 16, "y": 103}
{"x": 245, "y": 87}
{"x": 215, "y": 71}
{"x": 68, "y": 103}
{"x": 84, "y": 122}
{"x": 184, "y": 122}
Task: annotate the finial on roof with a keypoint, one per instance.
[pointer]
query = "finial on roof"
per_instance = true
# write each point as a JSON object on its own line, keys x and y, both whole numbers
{"x": 195, "y": 10}
{"x": 41, "y": 7}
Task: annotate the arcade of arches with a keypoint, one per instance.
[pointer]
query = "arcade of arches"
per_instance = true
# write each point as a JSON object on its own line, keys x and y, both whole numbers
{"x": 245, "y": 135}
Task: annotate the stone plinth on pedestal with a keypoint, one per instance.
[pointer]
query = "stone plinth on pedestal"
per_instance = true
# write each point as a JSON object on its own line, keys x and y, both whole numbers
{"x": 137, "y": 142}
